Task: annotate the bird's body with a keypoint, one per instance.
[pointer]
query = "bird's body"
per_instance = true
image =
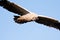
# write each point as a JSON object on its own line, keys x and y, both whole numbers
{"x": 27, "y": 16}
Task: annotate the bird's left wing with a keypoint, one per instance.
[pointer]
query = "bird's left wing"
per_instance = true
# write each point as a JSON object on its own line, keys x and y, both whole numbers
{"x": 12, "y": 7}
{"x": 48, "y": 21}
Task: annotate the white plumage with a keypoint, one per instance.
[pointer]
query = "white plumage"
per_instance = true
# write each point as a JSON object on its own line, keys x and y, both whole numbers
{"x": 27, "y": 16}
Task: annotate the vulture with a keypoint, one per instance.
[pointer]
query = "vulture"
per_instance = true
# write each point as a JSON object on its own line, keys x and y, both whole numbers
{"x": 25, "y": 16}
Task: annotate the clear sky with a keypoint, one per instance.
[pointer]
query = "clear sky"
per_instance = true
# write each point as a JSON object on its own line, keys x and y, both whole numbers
{"x": 9, "y": 30}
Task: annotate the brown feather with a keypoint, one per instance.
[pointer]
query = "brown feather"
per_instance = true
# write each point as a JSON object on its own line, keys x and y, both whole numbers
{"x": 13, "y": 7}
{"x": 48, "y": 21}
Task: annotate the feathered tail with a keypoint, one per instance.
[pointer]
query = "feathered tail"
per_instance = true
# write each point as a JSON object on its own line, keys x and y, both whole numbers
{"x": 48, "y": 21}
{"x": 19, "y": 21}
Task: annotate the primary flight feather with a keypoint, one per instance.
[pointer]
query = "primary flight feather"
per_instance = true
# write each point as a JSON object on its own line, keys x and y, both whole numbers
{"x": 27, "y": 16}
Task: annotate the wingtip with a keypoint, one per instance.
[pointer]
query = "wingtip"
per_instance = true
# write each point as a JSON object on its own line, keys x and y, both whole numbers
{"x": 58, "y": 25}
{"x": 49, "y": 22}
{"x": 2, "y": 2}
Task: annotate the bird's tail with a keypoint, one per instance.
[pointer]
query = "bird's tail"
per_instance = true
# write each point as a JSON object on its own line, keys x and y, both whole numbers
{"x": 15, "y": 18}
{"x": 48, "y": 21}
{"x": 2, "y": 2}
{"x": 19, "y": 21}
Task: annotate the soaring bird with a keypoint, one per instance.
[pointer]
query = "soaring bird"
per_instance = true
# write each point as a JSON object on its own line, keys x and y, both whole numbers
{"x": 25, "y": 16}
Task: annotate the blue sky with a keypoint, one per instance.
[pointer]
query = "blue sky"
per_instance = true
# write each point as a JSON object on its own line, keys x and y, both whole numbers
{"x": 9, "y": 30}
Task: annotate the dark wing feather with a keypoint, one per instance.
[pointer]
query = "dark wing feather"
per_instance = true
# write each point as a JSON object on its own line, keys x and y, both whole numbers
{"x": 13, "y": 7}
{"x": 49, "y": 22}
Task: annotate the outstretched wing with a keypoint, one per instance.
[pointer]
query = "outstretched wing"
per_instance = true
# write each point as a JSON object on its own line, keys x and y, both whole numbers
{"x": 48, "y": 21}
{"x": 12, "y": 7}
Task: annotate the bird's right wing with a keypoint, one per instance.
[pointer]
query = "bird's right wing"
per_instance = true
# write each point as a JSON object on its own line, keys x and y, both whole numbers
{"x": 12, "y": 7}
{"x": 51, "y": 22}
